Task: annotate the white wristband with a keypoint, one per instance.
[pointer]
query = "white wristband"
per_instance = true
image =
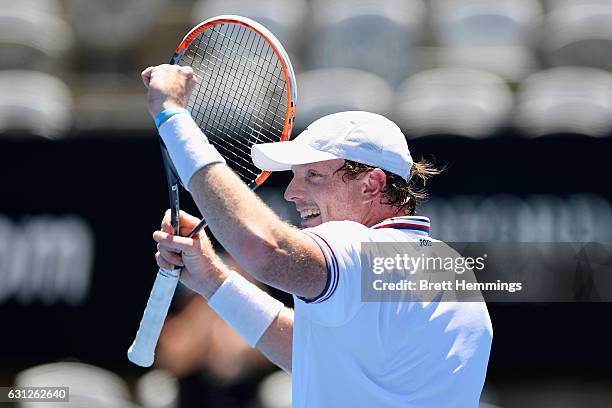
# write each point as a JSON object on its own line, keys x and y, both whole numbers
{"x": 245, "y": 307}
{"x": 188, "y": 146}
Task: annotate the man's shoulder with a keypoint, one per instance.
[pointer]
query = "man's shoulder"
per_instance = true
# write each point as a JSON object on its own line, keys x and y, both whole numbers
{"x": 341, "y": 234}
{"x": 341, "y": 227}
{"x": 354, "y": 233}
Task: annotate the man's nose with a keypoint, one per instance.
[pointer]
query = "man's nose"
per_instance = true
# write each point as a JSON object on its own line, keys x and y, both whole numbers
{"x": 293, "y": 192}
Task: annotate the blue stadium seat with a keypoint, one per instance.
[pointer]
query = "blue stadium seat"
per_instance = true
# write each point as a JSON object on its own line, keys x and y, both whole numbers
{"x": 579, "y": 34}
{"x": 285, "y": 18}
{"x": 112, "y": 25}
{"x": 566, "y": 100}
{"x": 275, "y": 391}
{"x": 90, "y": 386}
{"x": 35, "y": 103}
{"x": 492, "y": 35}
{"x": 33, "y": 35}
{"x": 326, "y": 91}
{"x": 158, "y": 388}
{"x": 457, "y": 101}
{"x": 381, "y": 38}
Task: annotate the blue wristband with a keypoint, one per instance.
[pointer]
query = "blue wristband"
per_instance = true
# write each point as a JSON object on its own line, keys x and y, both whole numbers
{"x": 167, "y": 114}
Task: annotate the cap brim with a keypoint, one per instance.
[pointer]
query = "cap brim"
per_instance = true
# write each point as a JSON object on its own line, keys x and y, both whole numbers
{"x": 280, "y": 156}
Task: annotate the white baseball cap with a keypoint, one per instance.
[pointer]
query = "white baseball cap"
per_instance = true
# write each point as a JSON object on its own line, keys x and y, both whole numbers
{"x": 358, "y": 136}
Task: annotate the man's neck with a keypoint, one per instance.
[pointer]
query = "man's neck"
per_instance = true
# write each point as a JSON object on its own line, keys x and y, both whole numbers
{"x": 381, "y": 213}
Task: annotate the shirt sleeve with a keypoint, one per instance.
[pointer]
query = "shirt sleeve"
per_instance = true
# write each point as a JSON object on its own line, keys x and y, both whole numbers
{"x": 340, "y": 243}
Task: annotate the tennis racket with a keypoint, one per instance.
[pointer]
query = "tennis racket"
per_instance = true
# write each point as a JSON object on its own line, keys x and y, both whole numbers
{"x": 245, "y": 94}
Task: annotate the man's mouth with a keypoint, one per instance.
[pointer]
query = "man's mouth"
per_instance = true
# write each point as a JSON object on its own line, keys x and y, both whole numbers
{"x": 309, "y": 213}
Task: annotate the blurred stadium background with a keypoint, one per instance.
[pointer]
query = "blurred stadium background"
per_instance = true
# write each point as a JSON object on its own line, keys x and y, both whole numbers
{"x": 515, "y": 95}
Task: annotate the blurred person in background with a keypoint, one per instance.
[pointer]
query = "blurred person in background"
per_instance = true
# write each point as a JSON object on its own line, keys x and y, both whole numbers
{"x": 215, "y": 365}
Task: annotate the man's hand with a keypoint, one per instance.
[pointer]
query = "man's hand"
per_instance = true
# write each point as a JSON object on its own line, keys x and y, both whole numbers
{"x": 169, "y": 87}
{"x": 202, "y": 270}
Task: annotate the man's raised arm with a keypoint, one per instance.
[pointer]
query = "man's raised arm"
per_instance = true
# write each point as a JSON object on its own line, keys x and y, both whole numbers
{"x": 268, "y": 248}
{"x": 272, "y": 251}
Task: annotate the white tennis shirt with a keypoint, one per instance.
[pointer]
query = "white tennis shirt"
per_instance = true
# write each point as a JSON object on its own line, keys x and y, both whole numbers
{"x": 349, "y": 353}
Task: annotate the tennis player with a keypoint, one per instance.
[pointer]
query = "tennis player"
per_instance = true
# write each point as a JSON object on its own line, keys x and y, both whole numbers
{"x": 353, "y": 182}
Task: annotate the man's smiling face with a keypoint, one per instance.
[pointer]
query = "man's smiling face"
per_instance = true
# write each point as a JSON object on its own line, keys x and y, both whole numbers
{"x": 320, "y": 194}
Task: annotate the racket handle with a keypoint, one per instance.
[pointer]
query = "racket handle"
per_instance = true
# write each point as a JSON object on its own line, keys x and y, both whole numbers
{"x": 142, "y": 350}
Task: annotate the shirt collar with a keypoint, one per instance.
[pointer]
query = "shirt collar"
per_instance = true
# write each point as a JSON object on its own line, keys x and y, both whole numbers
{"x": 417, "y": 224}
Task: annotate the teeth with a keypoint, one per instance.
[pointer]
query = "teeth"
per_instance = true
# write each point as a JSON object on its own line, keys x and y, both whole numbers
{"x": 309, "y": 212}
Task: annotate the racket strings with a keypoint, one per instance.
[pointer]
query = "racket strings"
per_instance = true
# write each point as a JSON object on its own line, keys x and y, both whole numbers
{"x": 255, "y": 74}
{"x": 238, "y": 89}
{"x": 223, "y": 102}
{"x": 241, "y": 98}
{"x": 265, "y": 82}
{"x": 234, "y": 122}
{"x": 269, "y": 58}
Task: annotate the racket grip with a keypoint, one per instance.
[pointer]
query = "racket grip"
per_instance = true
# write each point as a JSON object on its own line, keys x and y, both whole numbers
{"x": 142, "y": 350}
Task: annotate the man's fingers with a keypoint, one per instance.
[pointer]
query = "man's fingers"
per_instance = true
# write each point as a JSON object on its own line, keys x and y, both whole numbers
{"x": 148, "y": 72}
{"x": 187, "y": 222}
{"x": 166, "y": 226}
{"x": 172, "y": 241}
{"x": 170, "y": 256}
{"x": 184, "y": 216}
{"x": 162, "y": 263}
{"x": 146, "y": 76}
{"x": 187, "y": 71}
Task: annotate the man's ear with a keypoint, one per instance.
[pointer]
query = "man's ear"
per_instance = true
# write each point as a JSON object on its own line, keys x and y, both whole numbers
{"x": 373, "y": 184}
